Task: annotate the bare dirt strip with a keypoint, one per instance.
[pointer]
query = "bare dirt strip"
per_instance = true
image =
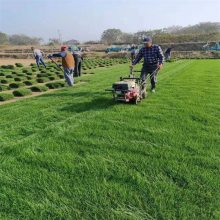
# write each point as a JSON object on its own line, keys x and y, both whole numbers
{"x": 25, "y": 62}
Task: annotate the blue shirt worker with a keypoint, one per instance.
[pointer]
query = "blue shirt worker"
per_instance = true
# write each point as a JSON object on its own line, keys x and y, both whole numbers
{"x": 38, "y": 55}
{"x": 153, "y": 61}
{"x": 68, "y": 64}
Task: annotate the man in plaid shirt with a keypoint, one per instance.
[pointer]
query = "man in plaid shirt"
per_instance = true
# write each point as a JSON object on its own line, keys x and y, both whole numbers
{"x": 153, "y": 60}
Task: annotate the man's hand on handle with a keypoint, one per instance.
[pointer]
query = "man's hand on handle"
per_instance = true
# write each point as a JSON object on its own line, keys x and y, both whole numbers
{"x": 160, "y": 66}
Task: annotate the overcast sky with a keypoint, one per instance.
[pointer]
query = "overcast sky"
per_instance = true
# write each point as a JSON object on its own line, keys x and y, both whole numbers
{"x": 86, "y": 19}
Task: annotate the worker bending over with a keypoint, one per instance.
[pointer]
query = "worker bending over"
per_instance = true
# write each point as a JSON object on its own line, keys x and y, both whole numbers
{"x": 38, "y": 55}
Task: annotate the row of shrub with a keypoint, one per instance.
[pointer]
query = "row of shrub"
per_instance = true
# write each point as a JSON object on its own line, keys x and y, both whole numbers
{"x": 28, "y": 91}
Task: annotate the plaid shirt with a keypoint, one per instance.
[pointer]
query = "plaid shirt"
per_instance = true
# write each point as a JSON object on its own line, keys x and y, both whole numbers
{"x": 152, "y": 55}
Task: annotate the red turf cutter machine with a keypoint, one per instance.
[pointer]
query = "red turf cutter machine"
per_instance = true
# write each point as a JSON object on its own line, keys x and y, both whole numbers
{"x": 129, "y": 89}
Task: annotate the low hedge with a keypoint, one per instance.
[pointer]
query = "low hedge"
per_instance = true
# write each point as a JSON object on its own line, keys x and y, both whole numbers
{"x": 55, "y": 85}
{"x": 43, "y": 71}
{"x": 3, "y": 81}
{"x": 20, "y": 74}
{"x": 15, "y": 85}
{"x": 3, "y": 87}
{"x": 19, "y": 79}
{"x": 22, "y": 92}
{"x": 29, "y": 73}
{"x": 42, "y": 80}
{"x": 29, "y": 82}
{"x": 6, "y": 96}
{"x": 61, "y": 76}
{"x": 14, "y": 72}
{"x": 8, "y": 76}
{"x": 33, "y": 64}
{"x": 42, "y": 75}
{"x": 51, "y": 74}
{"x": 10, "y": 67}
{"x": 40, "y": 88}
{"x": 29, "y": 77}
{"x": 19, "y": 65}
{"x": 34, "y": 70}
{"x": 25, "y": 71}
{"x": 52, "y": 78}
{"x": 58, "y": 72}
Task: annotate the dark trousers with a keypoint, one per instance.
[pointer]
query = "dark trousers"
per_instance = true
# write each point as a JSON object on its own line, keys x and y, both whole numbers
{"x": 78, "y": 67}
{"x": 132, "y": 56}
{"x": 39, "y": 60}
{"x": 149, "y": 69}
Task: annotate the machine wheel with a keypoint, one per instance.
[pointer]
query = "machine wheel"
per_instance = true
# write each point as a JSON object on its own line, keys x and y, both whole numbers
{"x": 144, "y": 95}
{"x": 114, "y": 98}
{"x": 135, "y": 101}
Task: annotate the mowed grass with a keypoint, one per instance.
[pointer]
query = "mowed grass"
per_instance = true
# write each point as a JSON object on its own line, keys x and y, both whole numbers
{"x": 74, "y": 154}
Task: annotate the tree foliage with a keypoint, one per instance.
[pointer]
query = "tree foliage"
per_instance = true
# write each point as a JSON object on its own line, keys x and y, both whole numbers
{"x": 3, "y": 38}
{"x": 21, "y": 39}
{"x": 110, "y": 36}
{"x": 206, "y": 31}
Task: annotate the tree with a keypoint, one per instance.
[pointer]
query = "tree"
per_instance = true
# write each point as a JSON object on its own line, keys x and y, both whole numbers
{"x": 111, "y": 36}
{"x": 71, "y": 42}
{"x": 201, "y": 28}
{"x": 22, "y": 39}
{"x": 3, "y": 38}
{"x": 127, "y": 38}
{"x": 140, "y": 35}
{"x": 54, "y": 41}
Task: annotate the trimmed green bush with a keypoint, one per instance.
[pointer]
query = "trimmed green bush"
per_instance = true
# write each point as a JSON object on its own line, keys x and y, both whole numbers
{"x": 61, "y": 76}
{"x": 29, "y": 77}
{"x": 42, "y": 75}
{"x": 19, "y": 65}
{"x": 51, "y": 78}
{"x": 29, "y": 82}
{"x": 40, "y": 88}
{"x": 58, "y": 72}
{"x": 10, "y": 67}
{"x": 6, "y": 96}
{"x": 15, "y": 85}
{"x": 22, "y": 92}
{"x": 55, "y": 85}
{"x": 29, "y": 73}
{"x": 19, "y": 79}
{"x": 21, "y": 74}
{"x": 33, "y": 64}
{"x": 8, "y": 76}
{"x": 14, "y": 72}
{"x": 25, "y": 71}
{"x": 3, "y": 87}
{"x": 42, "y": 80}
{"x": 51, "y": 74}
{"x": 4, "y": 81}
{"x": 34, "y": 70}
{"x": 43, "y": 71}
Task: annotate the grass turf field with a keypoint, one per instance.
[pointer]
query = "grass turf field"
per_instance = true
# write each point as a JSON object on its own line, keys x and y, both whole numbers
{"x": 74, "y": 154}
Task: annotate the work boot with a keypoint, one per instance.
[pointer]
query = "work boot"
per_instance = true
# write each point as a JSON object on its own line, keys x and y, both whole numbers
{"x": 153, "y": 90}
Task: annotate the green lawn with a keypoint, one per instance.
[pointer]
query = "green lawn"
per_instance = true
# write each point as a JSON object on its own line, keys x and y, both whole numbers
{"x": 74, "y": 154}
